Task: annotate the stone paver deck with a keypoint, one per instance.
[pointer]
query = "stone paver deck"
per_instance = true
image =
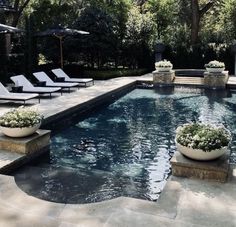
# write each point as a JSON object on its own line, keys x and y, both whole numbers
{"x": 7, "y": 158}
{"x": 183, "y": 202}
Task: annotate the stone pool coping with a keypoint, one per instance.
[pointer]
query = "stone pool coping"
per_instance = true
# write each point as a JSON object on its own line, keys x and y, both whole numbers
{"x": 183, "y": 202}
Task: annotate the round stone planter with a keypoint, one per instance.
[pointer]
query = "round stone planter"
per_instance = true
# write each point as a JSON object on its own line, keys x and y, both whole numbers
{"x": 19, "y": 132}
{"x": 163, "y": 69}
{"x": 215, "y": 70}
{"x": 200, "y": 155}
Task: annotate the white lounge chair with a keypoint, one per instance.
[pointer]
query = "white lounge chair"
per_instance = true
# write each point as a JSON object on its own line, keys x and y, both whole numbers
{"x": 59, "y": 73}
{"x": 6, "y": 95}
{"x": 42, "y": 76}
{"x": 28, "y": 87}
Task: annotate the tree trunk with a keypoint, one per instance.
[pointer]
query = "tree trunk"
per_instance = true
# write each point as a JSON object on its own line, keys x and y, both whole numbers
{"x": 197, "y": 15}
{"x": 19, "y": 10}
{"x": 195, "y": 21}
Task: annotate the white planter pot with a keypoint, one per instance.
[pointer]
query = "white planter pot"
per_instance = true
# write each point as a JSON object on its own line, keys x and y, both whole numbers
{"x": 163, "y": 69}
{"x": 19, "y": 132}
{"x": 200, "y": 155}
{"x": 215, "y": 70}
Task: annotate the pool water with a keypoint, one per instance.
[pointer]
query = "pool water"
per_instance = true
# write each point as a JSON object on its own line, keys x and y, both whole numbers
{"x": 124, "y": 149}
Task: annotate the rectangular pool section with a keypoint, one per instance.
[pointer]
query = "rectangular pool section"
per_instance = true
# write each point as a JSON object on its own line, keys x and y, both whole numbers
{"x": 124, "y": 149}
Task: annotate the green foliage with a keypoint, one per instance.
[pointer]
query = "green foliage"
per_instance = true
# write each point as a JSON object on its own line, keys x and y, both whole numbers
{"x": 211, "y": 25}
{"x": 106, "y": 22}
{"x": 101, "y": 42}
{"x": 108, "y": 74}
{"x": 124, "y": 32}
{"x": 228, "y": 20}
{"x": 204, "y": 137}
{"x": 47, "y": 14}
{"x": 163, "y": 13}
{"x": 184, "y": 12}
{"x": 139, "y": 26}
{"x": 139, "y": 37}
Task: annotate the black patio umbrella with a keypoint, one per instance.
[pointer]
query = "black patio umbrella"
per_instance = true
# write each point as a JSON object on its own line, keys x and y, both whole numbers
{"x": 4, "y": 29}
{"x": 61, "y": 32}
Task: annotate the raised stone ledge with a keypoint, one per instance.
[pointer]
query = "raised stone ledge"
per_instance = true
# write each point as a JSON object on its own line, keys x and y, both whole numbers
{"x": 163, "y": 78}
{"x": 216, "y": 80}
{"x": 26, "y": 145}
{"x": 216, "y": 170}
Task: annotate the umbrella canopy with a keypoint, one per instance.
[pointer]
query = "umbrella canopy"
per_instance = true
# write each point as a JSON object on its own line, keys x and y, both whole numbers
{"x": 4, "y": 29}
{"x": 60, "y": 32}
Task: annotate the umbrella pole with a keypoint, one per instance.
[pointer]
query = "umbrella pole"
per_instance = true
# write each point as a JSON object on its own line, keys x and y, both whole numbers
{"x": 61, "y": 51}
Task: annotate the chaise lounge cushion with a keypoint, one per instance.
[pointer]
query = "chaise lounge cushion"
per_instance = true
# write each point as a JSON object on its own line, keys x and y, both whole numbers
{"x": 42, "y": 76}
{"x": 59, "y": 73}
{"x": 6, "y": 95}
{"x": 20, "y": 80}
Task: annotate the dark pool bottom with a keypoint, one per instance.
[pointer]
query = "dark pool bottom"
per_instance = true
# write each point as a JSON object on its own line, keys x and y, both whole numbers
{"x": 125, "y": 148}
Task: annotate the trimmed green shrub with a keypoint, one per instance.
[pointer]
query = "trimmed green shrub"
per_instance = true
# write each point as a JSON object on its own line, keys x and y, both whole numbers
{"x": 108, "y": 74}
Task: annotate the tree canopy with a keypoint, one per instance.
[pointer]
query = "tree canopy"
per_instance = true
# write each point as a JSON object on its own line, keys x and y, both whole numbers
{"x": 124, "y": 32}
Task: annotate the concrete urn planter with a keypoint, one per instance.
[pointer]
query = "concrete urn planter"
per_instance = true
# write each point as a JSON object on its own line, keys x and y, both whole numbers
{"x": 215, "y": 70}
{"x": 19, "y": 132}
{"x": 200, "y": 155}
{"x": 164, "y": 69}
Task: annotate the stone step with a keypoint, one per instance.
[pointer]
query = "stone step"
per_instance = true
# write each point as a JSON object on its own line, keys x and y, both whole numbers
{"x": 15, "y": 152}
{"x": 189, "y": 81}
{"x": 69, "y": 185}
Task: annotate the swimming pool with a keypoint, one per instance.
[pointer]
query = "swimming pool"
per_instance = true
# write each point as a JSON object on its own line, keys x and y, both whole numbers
{"x": 124, "y": 149}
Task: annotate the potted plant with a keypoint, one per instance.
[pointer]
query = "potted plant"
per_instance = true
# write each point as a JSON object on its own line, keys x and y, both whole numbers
{"x": 202, "y": 141}
{"x": 20, "y": 122}
{"x": 215, "y": 66}
{"x": 163, "y": 66}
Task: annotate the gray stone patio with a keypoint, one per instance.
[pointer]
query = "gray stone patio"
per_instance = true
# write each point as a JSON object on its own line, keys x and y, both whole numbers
{"x": 183, "y": 203}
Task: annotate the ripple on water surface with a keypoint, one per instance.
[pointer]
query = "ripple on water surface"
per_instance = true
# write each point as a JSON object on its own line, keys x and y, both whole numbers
{"x": 123, "y": 149}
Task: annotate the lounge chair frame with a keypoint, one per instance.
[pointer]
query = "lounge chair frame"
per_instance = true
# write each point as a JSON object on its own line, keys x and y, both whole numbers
{"x": 10, "y": 95}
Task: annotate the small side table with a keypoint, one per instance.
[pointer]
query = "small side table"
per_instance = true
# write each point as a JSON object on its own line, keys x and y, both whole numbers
{"x": 17, "y": 89}
{"x": 59, "y": 79}
{"x": 41, "y": 84}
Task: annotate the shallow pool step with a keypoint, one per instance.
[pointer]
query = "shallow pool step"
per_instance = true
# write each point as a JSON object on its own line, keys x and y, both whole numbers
{"x": 59, "y": 184}
{"x": 68, "y": 185}
{"x": 52, "y": 171}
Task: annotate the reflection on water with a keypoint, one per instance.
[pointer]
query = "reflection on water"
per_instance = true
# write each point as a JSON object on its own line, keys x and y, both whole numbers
{"x": 124, "y": 149}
